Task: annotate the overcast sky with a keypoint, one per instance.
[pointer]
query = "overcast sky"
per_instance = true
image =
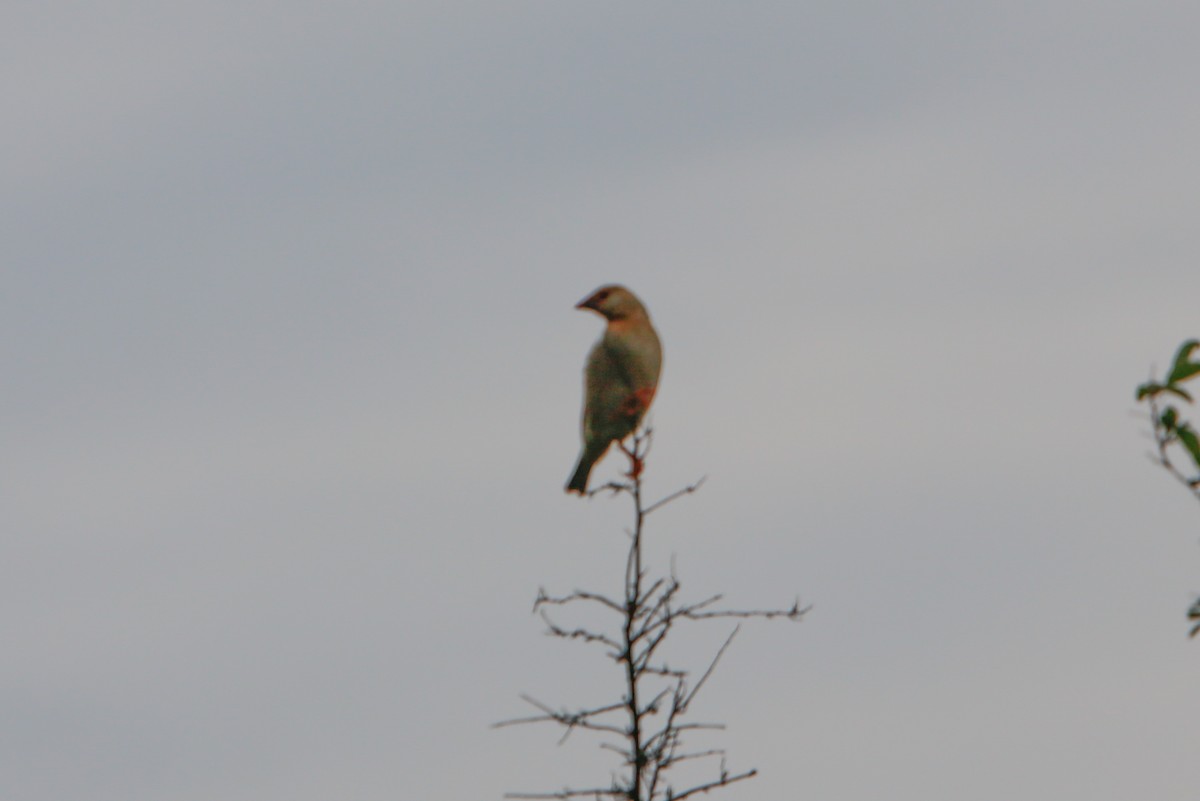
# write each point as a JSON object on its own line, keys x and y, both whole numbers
{"x": 293, "y": 385}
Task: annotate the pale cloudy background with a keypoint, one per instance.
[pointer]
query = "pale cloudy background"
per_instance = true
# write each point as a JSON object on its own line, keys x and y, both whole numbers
{"x": 292, "y": 385}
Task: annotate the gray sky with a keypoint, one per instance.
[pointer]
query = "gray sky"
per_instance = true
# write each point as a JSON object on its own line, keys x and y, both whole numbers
{"x": 293, "y": 383}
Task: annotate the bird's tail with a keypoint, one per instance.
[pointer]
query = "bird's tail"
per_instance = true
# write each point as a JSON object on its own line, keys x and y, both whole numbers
{"x": 579, "y": 478}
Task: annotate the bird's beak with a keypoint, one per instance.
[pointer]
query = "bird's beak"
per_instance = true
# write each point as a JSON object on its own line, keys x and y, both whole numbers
{"x": 587, "y": 303}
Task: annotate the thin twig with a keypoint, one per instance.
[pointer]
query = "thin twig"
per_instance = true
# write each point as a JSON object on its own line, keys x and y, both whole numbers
{"x": 712, "y": 752}
{"x": 721, "y": 782}
{"x": 595, "y": 793}
{"x": 577, "y": 719}
{"x": 579, "y": 634}
{"x": 688, "y": 490}
{"x": 795, "y": 613}
{"x": 577, "y": 595}
{"x": 711, "y": 667}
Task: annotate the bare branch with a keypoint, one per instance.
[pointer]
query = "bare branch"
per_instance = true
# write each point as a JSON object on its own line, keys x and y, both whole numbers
{"x": 725, "y": 779}
{"x": 700, "y": 726}
{"x": 664, "y": 615}
{"x": 692, "y": 612}
{"x": 675, "y": 760}
{"x": 577, "y": 595}
{"x": 649, "y": 735}
{"x": 665, "y": 671}
{"x": 652, "y": 707}
{"x": 795, "y": 613}
{"x": 693, "y": 607}
{"x": 711, "y": 667}
{"x": 688, "y": 490}
{"x": 614, "y": 487}
{"x": 594, "y": 793}
{"x": 580, "y": 634}
{"x": 644, "y": 597}
{"x": 581, "y": 719}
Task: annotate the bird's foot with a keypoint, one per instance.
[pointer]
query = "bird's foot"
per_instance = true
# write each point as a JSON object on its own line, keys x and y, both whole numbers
{"x": 635, "y": 461}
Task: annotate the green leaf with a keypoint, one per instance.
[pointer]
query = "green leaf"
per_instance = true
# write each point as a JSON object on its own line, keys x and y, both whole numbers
{"x": 1184, "y": 372}
{"x": 1188, "y": 437}
{"x": 1175, "y": 390}
{"x": 1168, "y": 418}
{"x": 1150, "y": 388}
{"x": 1184, "y": 368}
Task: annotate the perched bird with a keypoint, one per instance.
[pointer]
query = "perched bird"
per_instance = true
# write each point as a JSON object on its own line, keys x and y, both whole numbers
{"x": 620, "y": 377}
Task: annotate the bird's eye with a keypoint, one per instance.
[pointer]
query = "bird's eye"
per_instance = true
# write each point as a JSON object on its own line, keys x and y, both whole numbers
{"x": 601, "y": 296}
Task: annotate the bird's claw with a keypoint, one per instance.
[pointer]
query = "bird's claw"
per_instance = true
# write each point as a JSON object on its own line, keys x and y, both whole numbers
{"x": 635, "y": 461}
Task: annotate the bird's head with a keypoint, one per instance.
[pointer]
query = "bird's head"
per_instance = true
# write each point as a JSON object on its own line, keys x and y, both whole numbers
{"x": 614, "y": 302}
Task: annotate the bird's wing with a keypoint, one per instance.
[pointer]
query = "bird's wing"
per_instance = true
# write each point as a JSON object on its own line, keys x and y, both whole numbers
{"x": 608, "y": 388}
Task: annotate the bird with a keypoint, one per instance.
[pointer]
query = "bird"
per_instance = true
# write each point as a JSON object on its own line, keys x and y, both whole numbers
{"x": 620, "y": 376}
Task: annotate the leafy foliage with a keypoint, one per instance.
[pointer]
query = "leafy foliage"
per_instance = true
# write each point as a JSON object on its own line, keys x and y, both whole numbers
{"x": 1169, "y": 426}
{"x": 1173, "y": 433}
